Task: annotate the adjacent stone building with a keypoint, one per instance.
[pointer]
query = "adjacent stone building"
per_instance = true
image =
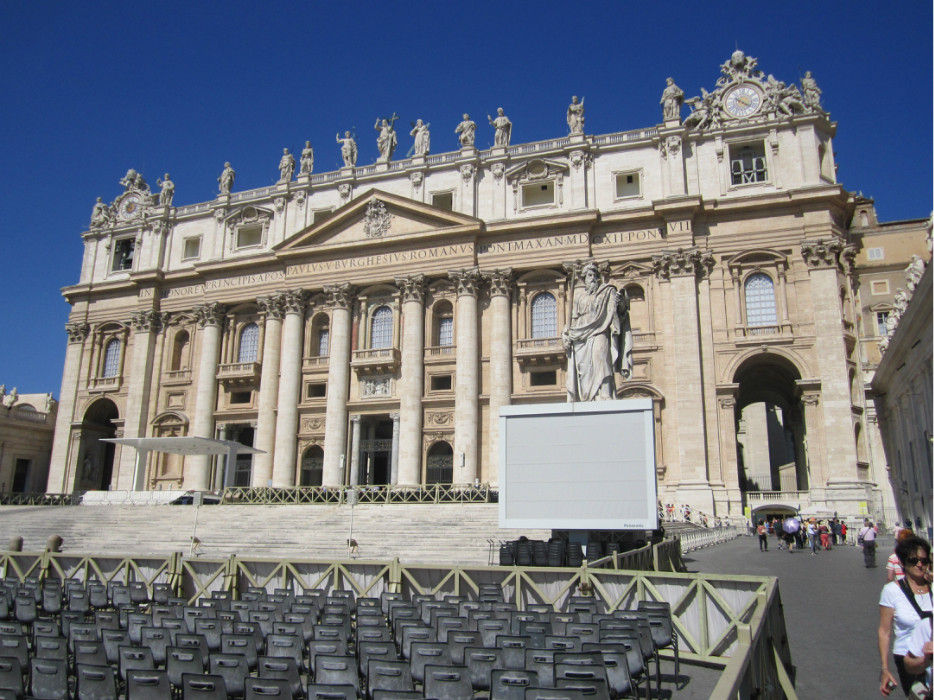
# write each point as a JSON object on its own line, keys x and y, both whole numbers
{"x": 366, "y": 325}
{"x": 27, "y": 422}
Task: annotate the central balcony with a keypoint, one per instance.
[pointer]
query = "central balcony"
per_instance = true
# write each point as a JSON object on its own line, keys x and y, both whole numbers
{"x": 239, "y": 373}
{"x": 376, "y": 361}
{"x": 539, "y": 351}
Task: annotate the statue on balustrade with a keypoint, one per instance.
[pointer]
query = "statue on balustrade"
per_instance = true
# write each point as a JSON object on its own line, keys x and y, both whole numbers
{"x": 466, "y": 131}
{"x": 226, "y": 179}
{"x": 348, "y": 149}
{"x": 286, "y": 166}
{"x": 503, "y": 128}
{"x": 598, "y": 339}
{"x": 307, "y": 163}
{"x": 575, "y": 116}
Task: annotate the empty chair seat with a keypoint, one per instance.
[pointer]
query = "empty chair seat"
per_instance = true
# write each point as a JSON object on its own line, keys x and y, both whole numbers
{"x": 373, "y": 634}
{"x": 388, "y": 675}
{"x": 417, "y": 633}
{"x": 443, "y": 626}
{"x": 252, "y": 629}
{"x": 194, "y": 641}
{"x": 285, "y": 646}
{"x": 90, "y": 653}
{"x": 385, "y": 651}
{"x": 81, "y": 632}
{"x": 458, "y": 640}
{"x": 95, "y": 683}
{"x": 325, "y": 647}
{"x": 15, "y": 646}
{"x": 542, "y": 661}
{"x": 664, "y": 634}
{"x": 106, "y": 620}
{"x": 50, "y": 648}
{"x": 203, "y": 686}
{"x": 112, "y": 641}
{"x": 148, "y": 685}
{"x": 492, "y": 628}
{"x": 157, "y": 640}
{"x": 633, "y": 653}
{"x": 182, "y": 660}
{"x": 325, "y": 691}
{"x": 161, "y": 592}
{"x": 210, "y": 629}
{"x": 616, "y": 666}
{"x": 241, "y": 644}
{"x": 511, "y": 684}
{"x": 447, "y": 683}
{"x": 385, "y": 598}
{"x": 590, "y": 688}
{"x": 25, "y": 609}
{"x": 135, "y": 658}
{"x": 11, "y": 675}
{"x": 96, "y": 595}
{"x": 513, "y": 647}
{"x": 119, "y": 595}
{"x": 587, "y": 632}
{"x": 139, "y": 594}
{"x": 562, "y": 643}
{"x": 554, "y": 694}
{"x": 266, "y": 689}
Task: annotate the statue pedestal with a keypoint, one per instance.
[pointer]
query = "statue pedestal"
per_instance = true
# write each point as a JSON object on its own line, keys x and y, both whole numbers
{"x": 467, "y": 152}
{"x": 673, "y": 123}
{"x": 347, "y": 171}
{"x": 498, "y": 151}
{"x": 577, "y": 140}
{"x": 418, "y": 161}
{"x": 303, "y": 180}
{"x": 382, "y": 166}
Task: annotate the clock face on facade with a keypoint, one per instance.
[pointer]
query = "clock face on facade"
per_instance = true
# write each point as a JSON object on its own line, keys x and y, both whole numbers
{"x": 742, "y": 101}
{"x": 130, "y": 207}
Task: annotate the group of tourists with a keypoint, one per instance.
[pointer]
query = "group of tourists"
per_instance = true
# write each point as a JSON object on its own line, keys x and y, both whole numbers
{"x": 796, "y": 533}
{"x": 905, "y": 613}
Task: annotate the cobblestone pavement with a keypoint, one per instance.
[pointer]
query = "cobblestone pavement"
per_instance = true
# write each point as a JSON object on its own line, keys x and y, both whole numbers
{"x": 831, "y": 606}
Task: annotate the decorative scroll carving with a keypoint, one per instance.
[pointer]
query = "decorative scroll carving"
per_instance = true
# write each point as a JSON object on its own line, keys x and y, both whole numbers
{"x": 466, "y": 172}
{"x": 210, "y": 314}
{"x": 146, "y": 321}
{"x": 279, "y": 203}
{"x": 440, "y": 418}
{"x": 344, "y": 190}
{"x": 416, "y": 179}
{"x": 412, "y": 288}
{"x": 500, "y": 281}
{"x": 300, "y": 199}
{"x": 340, "y": 295}
{"x": 670, "y": 147}
{"x": 498, "y": 170}
{"x": 377, "y": 220}
{"x": 466, "y": 280}
{"x": 683, "y": 263}
{"x": 822, "y": 253}
{"x": 312, "y": 423}
{"x": 77, "y": 332}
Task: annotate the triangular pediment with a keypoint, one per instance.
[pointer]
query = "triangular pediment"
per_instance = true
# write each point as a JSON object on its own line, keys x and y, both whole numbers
{"x": 379, "y": 216}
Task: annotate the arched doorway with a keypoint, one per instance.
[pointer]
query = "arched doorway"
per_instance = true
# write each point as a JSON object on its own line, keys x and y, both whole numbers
{"x": 770, "y": 433}
{"x": 96, "y": 458}
{"x": 312, "y": 467}
{"x": 440, "y": 464}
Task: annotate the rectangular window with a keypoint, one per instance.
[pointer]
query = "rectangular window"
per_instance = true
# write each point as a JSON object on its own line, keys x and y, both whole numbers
{"x": 628, "y": 185}
{"x": 320, "y": 215}
{"x": 192, "y": 248}
{"x": 875, "y": 254}
{"x": 123, "y": 254}
{"x": 538, "y": 194}
{"x": 241, "y": 397}
{"x": 879, "y": 286}
{"x": 324, "y": 342}
{"x": 441, "y": 382}
{"x": 747, "y": 163}
{"x": 446, "y": 331}
{"x": 549, "y": 378}
{"x": 316, "y": 391}
{"x": 443, "y": 200}
{"x": 881, "y": 318}
{"x": 249, "y": 236}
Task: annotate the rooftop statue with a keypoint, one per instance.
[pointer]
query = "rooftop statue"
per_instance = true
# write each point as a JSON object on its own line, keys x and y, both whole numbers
{"x": 307, "y": 162}
{"x": 226, "y": 179}
{"x": 575, "y": 116}
{"x": 100, "y": 214}
{"x": 914, "y": 272}
{"x": 597, "y": 340}
{"x": 348, "y": 149}
{"x": 134, "y": 181}
{"x": 672, "y": 97}
{"x": 467, "y": 131}
{"x": 422, "y": 138}
{"x": 503, "y": 128}
{"x": 386, "y": 141}
{"x": 782, "y": 99}
{"x": 811, "y": 93}
{"x": 167, "y": 193}
{"x": 286, "y": 166}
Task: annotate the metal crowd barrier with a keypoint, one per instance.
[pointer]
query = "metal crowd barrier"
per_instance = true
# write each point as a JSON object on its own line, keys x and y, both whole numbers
{"x": 698, "y": 539}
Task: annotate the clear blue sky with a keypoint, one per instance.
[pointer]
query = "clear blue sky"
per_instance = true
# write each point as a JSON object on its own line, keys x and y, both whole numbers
{"x": 90, "y": 89}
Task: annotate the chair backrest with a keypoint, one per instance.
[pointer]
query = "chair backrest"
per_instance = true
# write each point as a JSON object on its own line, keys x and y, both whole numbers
{"x": 384, "y": 674}
{"x": 372, "y": 634}
{"x": 285, "y": 646}
{"x": 418, "y": 633}
{"x": 81, "y": 632}
{"x": 233, "y": 668}
{"x": 251, "y": 628}
{"x": 542, "y": 661}
{"x": 182, "y": 660}
{"x": 511, "y": 684}
{"x": 513, "y": 647}
{"x": 135, "y": 658}
{"x": 562, "y": 643}
{"x": 325, "y": 647}
{"x": 16, "y": 646}
{"x": 266, "y": 689}
{"x": 444, "y": 625}
{"x": 45, "y": 647}
{"x": 112, "y": 641}
{"x": 148, "y": 685}
{"x": 447, "y": 683}
{"x": 11, "y": 674}
{"x": 458, "y": 640}
{"x": 425, "y": 653}
{"x": 194, "y": 641}
{"x": 91, "y": 653}
{"x": 591, "y": 688}
{"x": 616, "y": 665}
{"x": 587, "y": 631}
{"x": 286, "y": 669}
{"x": 327, "y": 691}
{"x": 385, "y": 598}
{"x": 481, "y": 663}
{"x": 211, "y": 630}
{"x": 161, "y": 592}
{"x": 337, "y": 670}
{"x": 48, "y": 679}
{"x": 384, "y": 650}
{"x": 95, "y": 683}
{"x": 490, "y": 629}
{"x": 203, "y": 686}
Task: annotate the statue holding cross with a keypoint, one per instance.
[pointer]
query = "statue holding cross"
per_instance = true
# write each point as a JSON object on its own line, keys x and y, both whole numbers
{"x": 386, "y": 141}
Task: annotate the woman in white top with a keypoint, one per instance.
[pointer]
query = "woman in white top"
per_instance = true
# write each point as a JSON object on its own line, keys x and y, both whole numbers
{"x": 901, "y": 606}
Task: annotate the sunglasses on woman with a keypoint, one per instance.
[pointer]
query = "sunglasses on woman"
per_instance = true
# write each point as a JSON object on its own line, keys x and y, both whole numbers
{"x": 924, "y": 561}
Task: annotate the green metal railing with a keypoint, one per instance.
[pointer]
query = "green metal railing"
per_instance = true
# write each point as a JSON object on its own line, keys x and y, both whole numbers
{"x": 427, "y": 493}
{"x": 40, "y": 499}
{"x": 734, "y": 623}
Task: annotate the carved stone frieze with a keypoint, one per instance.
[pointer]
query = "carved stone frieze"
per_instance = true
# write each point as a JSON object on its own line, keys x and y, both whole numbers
{"x": 377, "y": 220}
{"x": 671, "y": 146}
{"x": 440, "y": 418}
{"x": 279, "y": 203}
{"x": 77, "y": 332}
{"x": 340, "y": 296}
{"x": 210, "y": 314}
{"x": 293, "y": 300}
{"x": 416, "y": 179}
{"x": 430, "y": 438}
{"x": 683, "y": 263}
{"x": 146, "y": 321}
{"x": 500, "y": 281}
{"x": 498, "y": 170}
{"x": 412, "y": 288}
{"x": 313, "y": 423}
{"x": 376, "y": 386}
{"x": 467, "y": 281}
{"x": 300, "y": 198}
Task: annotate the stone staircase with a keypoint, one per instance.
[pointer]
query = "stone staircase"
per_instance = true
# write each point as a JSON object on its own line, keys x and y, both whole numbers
{"x": 450, "y": 534}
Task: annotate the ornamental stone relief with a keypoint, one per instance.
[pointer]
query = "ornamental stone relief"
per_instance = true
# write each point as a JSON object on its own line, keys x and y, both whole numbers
{"x": 440, "y": 418}
{"x": 375, "y": 387}
{"x": 312, "y": 424}
{"x": 377, "y": 221}
{"x": 77, "y": 332}
{"x": 682, "y": 263}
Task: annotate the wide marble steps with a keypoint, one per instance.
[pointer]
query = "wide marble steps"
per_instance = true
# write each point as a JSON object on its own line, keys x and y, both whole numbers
{"x": 414, "y": 533}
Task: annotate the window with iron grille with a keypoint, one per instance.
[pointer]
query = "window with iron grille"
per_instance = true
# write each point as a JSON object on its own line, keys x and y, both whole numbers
{"x": 112, "y": 359}
{"x": 324, "y": 341}
{"x": 760, "y": 300}
{"x": 249, "y": 343}
{"x": 381, "y": 328}
{"x": 747, "y": 164}
{"x": 445, "y": 331}
{"x": 544, "y": 316}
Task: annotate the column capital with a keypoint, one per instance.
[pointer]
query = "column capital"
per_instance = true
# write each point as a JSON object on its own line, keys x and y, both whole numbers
{"x": 147, "y": 321}
{"x": 210, "y": 314}
{"x": 394, "y": 417}
{"x": 355, "y": 419}
{"x": 272, "y": 305}
{"x": 412, "y": 287}
{"x": 500, "y": 282}
{"x": 293, "y": 300}
{"x": 340, "y": 295}
{"x": 683, "y": 262}
{"x": 826, "y": 253}
{"x": 466, "y": 280}
{"x": 77, "y": 332}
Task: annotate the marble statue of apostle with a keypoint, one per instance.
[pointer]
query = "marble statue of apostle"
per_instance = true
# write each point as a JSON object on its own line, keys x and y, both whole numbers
{"x": 503, "y": 128}
{"x": 307, "y": 162}
{"x": 167, "y": 193}
{"x": 348, "y": 149}
{"x": 672, "y": 97}
{"x": 811, "y": 92}
{"x": 100, "y": 214}
{"x": 575, "y": 116}
{"x": 598, "y": 339}
{"x": 386, "y": 141}
{"x": 226, "y": 179}
{"x": 422, "y": 138}
{"x": 286, "y": 166}
{"x": 467, "y": 131}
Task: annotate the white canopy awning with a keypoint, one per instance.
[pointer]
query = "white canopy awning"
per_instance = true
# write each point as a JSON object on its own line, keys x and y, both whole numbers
{"x": 179, "y": 446}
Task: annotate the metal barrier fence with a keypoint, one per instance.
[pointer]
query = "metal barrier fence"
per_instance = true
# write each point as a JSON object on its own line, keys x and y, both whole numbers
{"x": 426, "y": 493}
{"x": 698, "y": 539}
{"x": 730, "y": 622}
{"x": 40, "y": 499}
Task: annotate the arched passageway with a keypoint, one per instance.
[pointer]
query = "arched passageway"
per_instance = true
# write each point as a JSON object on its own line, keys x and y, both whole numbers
{"x": 96, "y": 458}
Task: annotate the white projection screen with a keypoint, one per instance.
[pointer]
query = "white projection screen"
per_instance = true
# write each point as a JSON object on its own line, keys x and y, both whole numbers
{"x": 578, "y": 466}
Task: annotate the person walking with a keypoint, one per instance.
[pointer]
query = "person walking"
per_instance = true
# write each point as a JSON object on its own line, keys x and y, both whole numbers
{"x": 763, "y": 532}
{"x": 867, "y": 538}
{"x": 812, "y": 536}
{"x": 824, "y": 532}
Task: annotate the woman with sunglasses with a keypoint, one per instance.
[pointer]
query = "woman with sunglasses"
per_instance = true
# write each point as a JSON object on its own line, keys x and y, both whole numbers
{"x": 902, "y": 605}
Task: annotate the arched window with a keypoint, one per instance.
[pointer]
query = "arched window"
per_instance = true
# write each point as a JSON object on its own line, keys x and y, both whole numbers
{"x": 312, "y": 467}
{"x": 180, "y": 351}
{"x": 544, "y": 316}
{"x": 443, "y": 333}
{"x": 440, "y": 464}
{"x": 249, "y": 343}
{"x": 112, "y": 359}
{"x": 324, "y": 341}
{"x": 381, "y": 328}
{"x": 760, "y": 300}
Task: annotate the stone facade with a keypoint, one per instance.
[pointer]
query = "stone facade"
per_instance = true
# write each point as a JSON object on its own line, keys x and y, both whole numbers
{"x": 27, "y": 422}
{"x": 366, "y": 325}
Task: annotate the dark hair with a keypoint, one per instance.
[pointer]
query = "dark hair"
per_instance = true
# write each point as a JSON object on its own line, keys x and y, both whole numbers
{"x": 907, "y": 547}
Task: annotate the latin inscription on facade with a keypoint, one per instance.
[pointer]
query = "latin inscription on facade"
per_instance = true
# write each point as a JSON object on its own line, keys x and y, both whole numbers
{"x": 648, "y": 234}
{"x": 533, "y": 244}
{"x": 198, "y": 289}
{"x": 365, "y": 261}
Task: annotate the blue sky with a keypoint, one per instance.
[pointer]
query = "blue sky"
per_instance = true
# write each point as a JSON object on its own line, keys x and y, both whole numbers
{"x": 92, "y": 89}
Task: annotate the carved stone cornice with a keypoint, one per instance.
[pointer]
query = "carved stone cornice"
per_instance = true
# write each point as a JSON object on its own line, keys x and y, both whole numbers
{"x": 272, "y": 306}
{"x": 825, "y": 253}
{"x": 412, "y": 288}
{"x": 210, "y": 314}
{"x": 293, "y": 300}
{"x": 500, "y": 281}
{"x": 466, "y": 280}
{"x": 77, "y": 332}
{"x": 146, "y": 321}
{"x": 692, "y": 262}
{"x": 341, "y": 295}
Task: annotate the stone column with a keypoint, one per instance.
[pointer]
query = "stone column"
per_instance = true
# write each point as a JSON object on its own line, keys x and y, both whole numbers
{"x": 500, "y": 361}
{"x": 290, "y": 389}
{"x": 411, "y": 379}
{"x": 273, "y": 309}
{"x": 394, "y": 458}
{"x": 814, "y": 437}
{"x": 210, "y": 317}
{"x": 467, "y": 388}
{"x": 340, "y": 298}
{"x": 60, "y": 481}
{"x": 139, "y": 379}
{"x": 729, "y": 462}
{"x": 354, "y": 478}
